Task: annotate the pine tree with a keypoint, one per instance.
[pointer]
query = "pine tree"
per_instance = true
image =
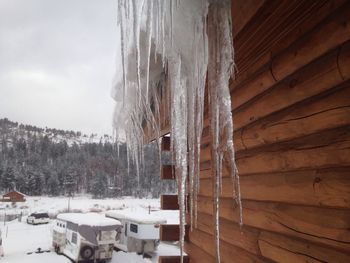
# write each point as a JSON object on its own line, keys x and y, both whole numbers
{"x": 8, "y": 179}
{"x": 100, "y": 186}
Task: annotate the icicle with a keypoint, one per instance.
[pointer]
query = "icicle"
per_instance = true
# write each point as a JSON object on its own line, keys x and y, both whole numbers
{"x": 149, "y": 42}
{"x": 219, "y": 72}
{"x": 175, "y": 31}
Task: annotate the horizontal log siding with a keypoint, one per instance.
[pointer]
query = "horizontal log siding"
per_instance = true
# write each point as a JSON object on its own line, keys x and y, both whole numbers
{"x": 291, "y": 113}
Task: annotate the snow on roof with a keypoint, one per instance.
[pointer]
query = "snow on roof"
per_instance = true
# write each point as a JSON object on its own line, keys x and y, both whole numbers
{"x": 139, "y": 216}
{"x": 15, "y": 191}
{"x": 90, "y": 219}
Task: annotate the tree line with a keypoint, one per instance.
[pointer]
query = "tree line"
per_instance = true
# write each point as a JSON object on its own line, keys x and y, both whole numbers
{"x": 33, "y": 162}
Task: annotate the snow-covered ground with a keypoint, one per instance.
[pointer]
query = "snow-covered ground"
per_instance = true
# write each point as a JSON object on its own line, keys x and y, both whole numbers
{"x": 21, "y": 241}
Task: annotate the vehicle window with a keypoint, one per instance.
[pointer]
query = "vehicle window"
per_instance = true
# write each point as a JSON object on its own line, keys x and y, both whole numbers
{"x": 126, "y": 229}
{"x": 74, "y": 238}
{"x": 133, "y": 228}
{"x": 42, "y": 215}
{"x": 107, "y": 235}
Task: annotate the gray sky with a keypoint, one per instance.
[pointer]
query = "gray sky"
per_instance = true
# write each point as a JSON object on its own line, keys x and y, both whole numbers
{"x": 57, "y": 63}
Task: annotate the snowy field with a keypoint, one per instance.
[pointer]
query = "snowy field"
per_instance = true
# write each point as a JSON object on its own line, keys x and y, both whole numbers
{"x": 21, "y": 241}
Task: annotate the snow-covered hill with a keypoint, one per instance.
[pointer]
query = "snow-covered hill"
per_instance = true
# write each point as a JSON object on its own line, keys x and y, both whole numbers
{"x": 10, "y": 130}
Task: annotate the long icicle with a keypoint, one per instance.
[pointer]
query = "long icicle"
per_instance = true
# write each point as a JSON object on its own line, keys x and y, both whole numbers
{"x": 176, "y": 32}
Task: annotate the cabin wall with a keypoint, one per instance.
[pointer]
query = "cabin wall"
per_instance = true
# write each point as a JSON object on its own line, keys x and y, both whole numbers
{"x": 291, "y": 114}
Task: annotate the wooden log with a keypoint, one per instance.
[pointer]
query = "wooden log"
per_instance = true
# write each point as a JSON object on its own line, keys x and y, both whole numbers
{"x": 245, "y": 238}
{"x": 167, "y": 172}
{"x": 281, "y": 248}
{"x": 337, "y": 30}
{"x": 242, "y": 11}
{"x": 205, "y": 165}
{"x": 300, "y": 81}
{"x": 326, "y": 149}
{"x": 315, "y": 13}
{"x": 273, "y": 22}
{"x": 322, "y": 150}
{"x": 322, "y": 187}
{"x": 172, "y": 232}
{"x": 169, "y": 202}
{"x": 257, "y": 36}
{"x": 317, "y": 77}
{"x": 207, "y": 173}
{"x": 227, "y": 251}
{"x": 344, "y": 60}
{"x": 257, "y": 84}
{"x": 165, "y": 145}
{"x": 326, "y": 226}
{"x": 252, "y": 33}
{"x": 315, "y": 18}
{"x": 327, "y": 111}
{"x": 198, "y": 255}
{"x": 173, "y": 259}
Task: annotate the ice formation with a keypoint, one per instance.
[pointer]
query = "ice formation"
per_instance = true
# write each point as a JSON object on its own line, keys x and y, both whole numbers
{"x": 166, "y": 45}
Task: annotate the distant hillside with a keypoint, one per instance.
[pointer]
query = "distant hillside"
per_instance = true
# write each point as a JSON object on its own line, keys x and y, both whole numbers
{"x": 38, "y": 161}
{"x": 10, "y": 129}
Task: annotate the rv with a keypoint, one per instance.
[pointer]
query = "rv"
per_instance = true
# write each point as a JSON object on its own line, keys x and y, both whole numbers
{"x": 85, "y": 238}
{"x": 140, "y": 231}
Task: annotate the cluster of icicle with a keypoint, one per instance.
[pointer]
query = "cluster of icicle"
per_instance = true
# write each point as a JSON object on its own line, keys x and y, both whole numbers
{"x": 168, "y": 45}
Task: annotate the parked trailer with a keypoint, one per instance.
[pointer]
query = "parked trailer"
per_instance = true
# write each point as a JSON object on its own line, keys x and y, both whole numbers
{"x": 140, "y": 231}
{"x": 85, "y": 238}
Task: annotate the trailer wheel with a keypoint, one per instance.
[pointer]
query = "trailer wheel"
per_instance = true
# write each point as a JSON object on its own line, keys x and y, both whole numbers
{"x": 86, "y": 252}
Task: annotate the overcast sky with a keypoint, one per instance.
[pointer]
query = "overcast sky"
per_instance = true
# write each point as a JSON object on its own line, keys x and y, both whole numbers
{"x": 57, "y": 63}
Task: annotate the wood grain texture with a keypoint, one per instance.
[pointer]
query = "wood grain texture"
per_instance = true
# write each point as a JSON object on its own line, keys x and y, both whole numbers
{"x": 329, "y": 110}
{"x": 330, "y": 227}
{"x": 166, "y": 143}
{"x": 242, "y": 12}
{"x": 329, "y": 148}
{"x": 198, "y": 255}
{"x": 317, "y": 77}
{"x": 291, "y": 114}
{"x": 328, "y": 35}
{"x": 320, "y": 188}
{"x": 281, "y": 248}
{"x": 245, "y": 238}
{"x": 167, "y": 172}
{"x": 169, "y": 202}
{"x": 172, "y": 232}
{"x": 228, "y": 251}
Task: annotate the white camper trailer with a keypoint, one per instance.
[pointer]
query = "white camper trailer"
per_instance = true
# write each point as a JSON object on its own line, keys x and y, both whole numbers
{"x": 140, "y": 231}
{"x": 85, "y": 238}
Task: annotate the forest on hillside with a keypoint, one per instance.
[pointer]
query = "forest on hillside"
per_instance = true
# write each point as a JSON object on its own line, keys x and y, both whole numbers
{"x": 53, "y": 162}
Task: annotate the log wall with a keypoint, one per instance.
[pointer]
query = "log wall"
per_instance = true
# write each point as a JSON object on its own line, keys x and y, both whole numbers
{"x": 291, "y": 114}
